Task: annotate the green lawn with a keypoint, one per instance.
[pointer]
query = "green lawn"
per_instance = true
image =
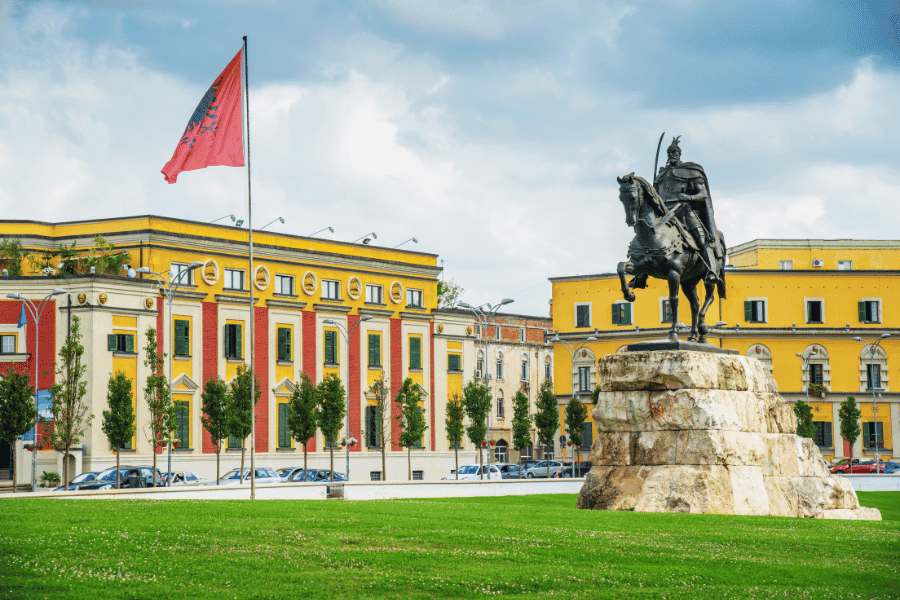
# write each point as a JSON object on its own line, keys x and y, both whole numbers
{"x": 534, "y": 546}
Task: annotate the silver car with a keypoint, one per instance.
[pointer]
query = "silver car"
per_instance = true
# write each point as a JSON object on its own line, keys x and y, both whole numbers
{"x": 544, "y": 468}
{"x": 263, "y": 475}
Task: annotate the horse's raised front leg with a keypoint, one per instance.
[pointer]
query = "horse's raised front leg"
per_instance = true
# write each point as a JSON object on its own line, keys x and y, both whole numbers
{"x": 710, "y": 285}
{"x": 674, "y": 279}
{"x": 690, "y": 292}
{"x": 623, "y": 268}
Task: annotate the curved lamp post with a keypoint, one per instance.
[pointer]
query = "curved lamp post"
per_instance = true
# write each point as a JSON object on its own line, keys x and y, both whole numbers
{"x": 573, "y": 348}
{"x": 873, "y": 344}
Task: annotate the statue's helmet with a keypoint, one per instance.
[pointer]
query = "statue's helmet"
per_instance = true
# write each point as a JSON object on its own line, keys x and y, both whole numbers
{"x": 674, "y": 150}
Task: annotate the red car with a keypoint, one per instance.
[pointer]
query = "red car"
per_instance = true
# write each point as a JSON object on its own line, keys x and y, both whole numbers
{"x": 861, "y": 467}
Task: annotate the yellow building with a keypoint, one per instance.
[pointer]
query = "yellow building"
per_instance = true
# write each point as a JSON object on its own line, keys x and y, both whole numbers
{"x": 321, "y": 306}
{"x": 823, "y": 315}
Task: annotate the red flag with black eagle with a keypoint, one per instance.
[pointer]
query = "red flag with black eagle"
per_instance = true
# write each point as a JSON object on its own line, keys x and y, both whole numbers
{"x": 215, "y": 132}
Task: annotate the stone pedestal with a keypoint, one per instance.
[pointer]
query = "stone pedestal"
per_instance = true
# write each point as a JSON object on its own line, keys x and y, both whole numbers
{"x": 699, "y": 432}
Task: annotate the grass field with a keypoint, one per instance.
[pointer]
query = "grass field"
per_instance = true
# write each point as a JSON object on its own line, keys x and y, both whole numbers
{"x": 530, "y": 546}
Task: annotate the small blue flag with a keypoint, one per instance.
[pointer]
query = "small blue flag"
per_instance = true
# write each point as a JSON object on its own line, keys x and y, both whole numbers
{"x": 22, "y": 320}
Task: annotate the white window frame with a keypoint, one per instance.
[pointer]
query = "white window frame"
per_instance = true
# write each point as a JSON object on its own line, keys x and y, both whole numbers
{"x": 499, "y": 367}
{"x": 590, "y": 315}
{"x": 414, "y": 298}
{"x": 880, "y": 308}
{"x": 524, "y": 369}
{"x": 229, "y": 276}
{"x": 806, "y": 302}
{"x": 497, "y": 332}
{"x": 765, "y": 302}
{"x": 845, "y": 265}
{"x": 662, "y": 310}
{"x": 14, "y": 339}
{"x": 522, "y": 335}
{"x": 177, "y": 269}
{"x": 586, "y": 388}
{"x": 500, "y": 406}
{"x": 280, "y": 278}
{"x": 371, "y": 296}
{"x": 786, "y": 265}
{"x": 331, "y": 285}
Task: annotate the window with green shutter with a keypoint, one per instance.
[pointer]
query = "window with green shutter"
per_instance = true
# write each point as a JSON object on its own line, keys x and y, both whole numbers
{"x": 869, "y": 311}
{"x": 374, "y": 350}
{"x": 621, "y": 313}
{"x": 331, "y": 348}
{"x": 182, "y": 337}
{"x": 232, "y": 341}
{"x": 120, "y": 342}
{"x": 755, "y": 311}
{"x": 284, "y": 434}
{"x": 415, "y": 352}
{"x": 372, "y": 427}
{"x": 284, "y": 344}
{"x": 234, "y": 442}
{"x": 454, "y": 362}
{"x": 182, "y": 424}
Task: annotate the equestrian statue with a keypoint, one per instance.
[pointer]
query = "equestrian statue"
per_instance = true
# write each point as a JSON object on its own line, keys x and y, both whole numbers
{"x": 676, "y": 238}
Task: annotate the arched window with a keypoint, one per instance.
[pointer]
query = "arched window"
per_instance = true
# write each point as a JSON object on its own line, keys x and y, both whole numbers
{"x": 499, "y": 371}
{"x": 583, "y": 373}
{"x": 479, "y": 364}
{"x": 548, "y": 368}
{"x": 873, "y": 371}
{"x": 501, "y": 451}
{"x": 761, "y": 353}
{"x": 523, "y": 371}
{"x": 501, "y": 406}
{"x": 816, "y": 375}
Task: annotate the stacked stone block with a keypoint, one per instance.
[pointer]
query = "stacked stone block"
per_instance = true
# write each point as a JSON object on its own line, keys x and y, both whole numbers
{"x": 701, "y": 432}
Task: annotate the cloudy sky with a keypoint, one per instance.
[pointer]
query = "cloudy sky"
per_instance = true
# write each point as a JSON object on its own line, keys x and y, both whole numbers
{"x": 491, "y": 131}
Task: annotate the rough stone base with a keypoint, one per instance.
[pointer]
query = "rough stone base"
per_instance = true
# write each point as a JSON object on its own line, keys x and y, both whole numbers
{"x": 705, "y": 433}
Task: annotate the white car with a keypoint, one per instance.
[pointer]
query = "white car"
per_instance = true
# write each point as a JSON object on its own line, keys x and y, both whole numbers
{"x": 474, "y": 473}
{"x": 263, "y": 475}
{"x": 184, "y": 478}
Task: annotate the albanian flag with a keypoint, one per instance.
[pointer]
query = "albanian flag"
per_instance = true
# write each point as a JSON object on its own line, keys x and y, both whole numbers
{"x": 215, "y": 133}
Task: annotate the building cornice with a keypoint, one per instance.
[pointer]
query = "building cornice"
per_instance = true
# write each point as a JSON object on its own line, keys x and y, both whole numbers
{"x": 292, "y": 304}
{"x": 811, "y": 244}
{"x": 726, "y": 333}
{"x": 732, "y": 271}
{"x": 339, "y": 308}
{"x": 235, "y": 299}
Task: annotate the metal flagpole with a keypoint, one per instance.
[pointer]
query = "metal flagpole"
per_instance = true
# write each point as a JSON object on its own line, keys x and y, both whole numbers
{"x": 251, "y": 280}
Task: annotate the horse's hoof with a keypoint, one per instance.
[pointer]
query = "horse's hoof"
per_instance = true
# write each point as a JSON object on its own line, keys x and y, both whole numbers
{"x": 630, "y": 297}
{"x": 673, "y": 336}
{"x": 701, "y": 339}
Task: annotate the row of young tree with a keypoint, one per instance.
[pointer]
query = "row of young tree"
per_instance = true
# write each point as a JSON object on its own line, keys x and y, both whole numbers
{"x": 848, "y": 415}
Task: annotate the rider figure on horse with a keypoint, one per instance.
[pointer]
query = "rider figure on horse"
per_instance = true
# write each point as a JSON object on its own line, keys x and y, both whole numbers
{"x": 684, "y": 188}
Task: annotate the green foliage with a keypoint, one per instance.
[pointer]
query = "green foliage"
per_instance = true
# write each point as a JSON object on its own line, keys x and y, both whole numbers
{"x": 595, "y": 395}
{"x": 816, "y": 390}
{"x": 521, "y": 422}
{"x": 16, "y": 406}
{"x": 448, "y": 293}
{"x": 71, "y": 261}
{"x": 303, "y": 411}
{"x": 11, "y": 255}
{"x": 576, "y": 414}
{"x": 215, "y": 410}
{"x": 157, "y": 394}
{"x": 546, "y": 418}
{"x": 379, "y": 392}
{"x": 411, "y": 417}
{"x": 330, "y": 395}
{"x": 239, "y": 404}
{"x": 477, "y": 403}
{"x": 118, "y": 419}
{"x": 49, "y": 479}
{"x": 454, "y": 421}
{"x": 805, "y": 426}
{"x": 849, "y": 417}
{"x": 71, "y": 414}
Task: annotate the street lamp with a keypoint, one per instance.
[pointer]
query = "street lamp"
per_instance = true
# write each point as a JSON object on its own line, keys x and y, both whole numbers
{"x": 365, "y": 239}
{"x": 36, "y": 311}
{"x": 330, "y": 229}
{"x": 412, "y": 239}
{"x": 278, "y": 219}
{"x": 876, "y": 343}
{"x": 348, "y": 441}
{"x": 805, "y": 358}
{"x": 231, "y": 216}
{"x": 483, "y": 314}
{"x": 573, "y": 348}
{"x": 168, "y": 286}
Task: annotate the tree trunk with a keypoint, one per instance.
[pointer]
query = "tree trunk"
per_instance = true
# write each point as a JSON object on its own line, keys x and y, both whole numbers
{"x": 480, "y": 463}
{"x": 218, "y": 451}
{"x": 456, "y": 458}
{"x": 409, "y": 463}
{"x": 153, "y": 473}
{"x": 65, "y": 466}
{"x": 118, "y": 475}
{"x": 304, "y": 461}
{"x": 383, "y": 461}
{"x": 331, "y": 459}
{"x": 12, "y": 459}
{"x": 241, "y": 474}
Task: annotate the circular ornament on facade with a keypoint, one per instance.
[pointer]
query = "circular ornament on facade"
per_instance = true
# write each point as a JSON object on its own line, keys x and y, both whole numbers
{"x": 354, "y": 288}
{"x": 82, "y": 298}
{"x": 309, "y": 283}
{"x": 149, "y": 302}
{"x": 209, "y": 272}
{"x": 102, "y": 298}
{"x": 440, "y": 328}
{"x": 469, "y": 330}
{"x": 396, "y": 292}
{"x": 262, "y": 278}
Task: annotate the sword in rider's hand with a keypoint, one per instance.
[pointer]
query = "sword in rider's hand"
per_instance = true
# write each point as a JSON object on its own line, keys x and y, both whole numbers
{"x": 656, "y": 160}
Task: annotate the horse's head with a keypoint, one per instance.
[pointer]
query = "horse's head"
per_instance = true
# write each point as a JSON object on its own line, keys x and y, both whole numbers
{"x": 630, "y": 196}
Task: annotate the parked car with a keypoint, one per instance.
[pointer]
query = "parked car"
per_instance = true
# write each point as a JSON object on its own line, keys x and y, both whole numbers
{"x": 129, "y": 477}
{"x": 581, "y": 469}
{"x": 544, "y": 468}
{"x": 890, "y": 467}
{"x": 510, "y": 471}
{"x": 288, "y": 473}
{"x": 78, "y": 481}
{"x": 861, "y": 467}
{"x": 183, "y": 478}
{"x": 527, "y": 463}
{"x": 263, "y": 475}
{"x": 474, "y": 473}
{"x": 317, "y": 475}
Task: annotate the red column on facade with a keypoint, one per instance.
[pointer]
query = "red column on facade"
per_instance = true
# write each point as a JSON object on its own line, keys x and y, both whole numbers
{"x": 353, "y": 378}
{"x": 431, "y": 369}
{"x": 396, "y": 380}
{"x": 261, "y": 373}
{"x": 210, "y": 366}
{"x": 308, "y": 343}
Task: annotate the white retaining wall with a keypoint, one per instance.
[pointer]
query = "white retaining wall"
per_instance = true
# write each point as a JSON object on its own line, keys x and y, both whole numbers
{"x": 874, "y": 483}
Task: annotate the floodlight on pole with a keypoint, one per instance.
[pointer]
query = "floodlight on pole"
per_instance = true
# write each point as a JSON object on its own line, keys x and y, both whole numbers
{"x": 230, "y": 216}
{"x": 278, "y": 219}
{"x": 412, "y": 239}
{"x": 366, "y": 238}
{"x": 330, "y": 229}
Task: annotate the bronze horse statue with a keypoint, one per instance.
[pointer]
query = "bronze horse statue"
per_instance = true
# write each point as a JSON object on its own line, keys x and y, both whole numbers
{"x": 662, "y": 248}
